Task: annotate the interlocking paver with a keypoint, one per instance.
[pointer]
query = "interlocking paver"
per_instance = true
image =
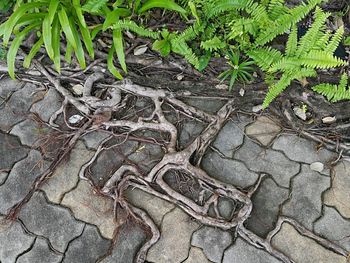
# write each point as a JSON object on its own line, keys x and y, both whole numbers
{"x": 13, "y": 240}
{"x": 20, "y": 180}
{"x": 129, "y": 240}
{"x": 228, "y": 170}
{"x": 66, "y": 175}
{"x": 339, "y": 195}
{"x": 212, "y": 241}
{"x": 40, "y": 253}
{"x": 16, "y": 107}
{"x": 305, "y": 204}
{"x": 334, "y": 227}
{"x": 303, "y": 249}
{"x": 241, "y": 251}
{"x": 266, "y": 205}
{"x": 173, "y": 245}
{"x": 46, "y": 107}
{"x": 263, "y": 129}
{"x": 87, "y": 248}
{"x": 11, "y": 151}
{"x": 51, "y": 221}
{"x": 90, "y": 207}
{"x": 302, "y": 150}
{"x": 268, "y": 161}
{"x": 196, "y": 255}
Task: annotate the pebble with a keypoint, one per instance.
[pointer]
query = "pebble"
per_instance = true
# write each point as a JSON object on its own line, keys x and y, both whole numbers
{"x": 317, "y": 166}
{"x": 300, "y": 113}
{"x": 329, "y": 120}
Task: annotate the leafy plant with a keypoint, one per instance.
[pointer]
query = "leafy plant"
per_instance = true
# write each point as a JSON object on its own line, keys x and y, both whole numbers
{"x": 302, "y": 57}
{"x": 334, "y": 92}
{"x": 47, "y": 20}
{"x": 5, "y": 5}
{"x": 238, "y": 71}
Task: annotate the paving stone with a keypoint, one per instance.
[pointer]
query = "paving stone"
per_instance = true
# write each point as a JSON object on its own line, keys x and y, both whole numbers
{"x": 305, "y": 204}
{"x": 8, "y": 86}
{"x": 30, "y": 132}
{"x": 3, "y": 177}
{"x": 92, "y": 208}
{"x": 109, "y": 161}
{"x": 334, "y": 227}
{"x": 11, "y": 151}
{"x": 155, "y": 207}
{"x": 20, "y": 180}
{"x": 189, "y": 131}
{"x": 243, "y": 252}
{"x": 173, "y": 245}
{"x": 263, "y": 129}
{"x": 40, "y": 253}
{"x": 146, "y": 156}
{"x": 46, "y": 107}
{"x": 66, "y": 175}
{"x": 268, "y": 161}
{"x": 266, "y": 203}
{"x": 301, "y": 150}
{"x": 303, "y": 249}
{"x": 196, "y": 255}
{"x": 228, "y": 170}
{"x": 210, "y": 106}
{"x": 93, "y": 139}
{"x": 87, "y": 248}
{"x": 51, "y": 221}
{"x": 339, "y": 194}
{"x": 17, "y": 106}
{"x": 230, "y": 137}
{"x": 13, "y": 240}
{"x": 212, "y": 241}
{"x": 129, "y": 240}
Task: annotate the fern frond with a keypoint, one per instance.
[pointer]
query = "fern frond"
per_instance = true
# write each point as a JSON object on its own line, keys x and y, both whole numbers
{"x": 292, "y": 42}
{"x": 217, "y": 7}
{"x": 265, "y": 57}
{"x": 334, "y": 92}
{"x": 307, "y": 42}
{"x": 276, "y": 8}
{"x": 335, "y": 41}
{"x": 285, "y": 22}
{"x": 213, "y": 44}
{"x": 322, "y": 42}
{"x": 276, "y": 89}
{"x": 321, "y": 59}
{"x": 132, "y": 26}
{"x": 181, "y": 48}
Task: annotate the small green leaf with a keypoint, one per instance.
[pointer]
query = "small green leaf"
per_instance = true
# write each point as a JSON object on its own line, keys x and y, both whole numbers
{"x": 110, "y": 64}
{"x": 47, "y": 36}
{"x": 113, "y": 16}
{"x": 66, "y": 27}
{"x": 119, "y": 48}
{"x": 85, "y": 33}
{"x": 166, "y": 4}
{"x": 162, "y": 46}
{"x": 79, "y": 12}
{"x": 11, "y": 54}
{"x": 69, "y": 52}
{"x": 56, "y": 43}
{"x": 11, "y": 22}
{"x": 32, "y": 53}
{"x": 79, "y": 51}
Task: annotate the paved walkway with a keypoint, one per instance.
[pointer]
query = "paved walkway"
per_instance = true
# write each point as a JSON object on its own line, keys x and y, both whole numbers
{"x": 66, "y": 221}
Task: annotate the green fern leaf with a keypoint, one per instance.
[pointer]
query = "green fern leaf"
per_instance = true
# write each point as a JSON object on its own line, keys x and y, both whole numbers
{"x": 335, "y": 41}
{"x": 132, "y": 26}
{"x": 265, "y": 57}
{"x": 292, "y": 42}
{"x": 213, "y": 44}
{"x": 94, "y": 6}
{"x": 321, "y": 59}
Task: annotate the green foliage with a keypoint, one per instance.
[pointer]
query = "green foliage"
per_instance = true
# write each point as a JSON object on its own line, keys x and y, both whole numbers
{"x": 335, "y": 92}
{"x": 5, "y": 5}
{"x": 47, "y": 20}
{"x": 238, "y": 70}
{"x": 302, "y": 58}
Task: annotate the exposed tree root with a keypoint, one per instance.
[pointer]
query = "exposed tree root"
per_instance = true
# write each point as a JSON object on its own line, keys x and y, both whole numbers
{"x": 186, "y": 160}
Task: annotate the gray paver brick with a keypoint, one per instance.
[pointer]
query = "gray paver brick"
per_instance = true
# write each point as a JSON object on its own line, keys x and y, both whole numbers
{"x": 51, "y": 221}
{"x": 268, "y": 161}
{"x": 40, "y": 253}
{"x": 87, "y": 248}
